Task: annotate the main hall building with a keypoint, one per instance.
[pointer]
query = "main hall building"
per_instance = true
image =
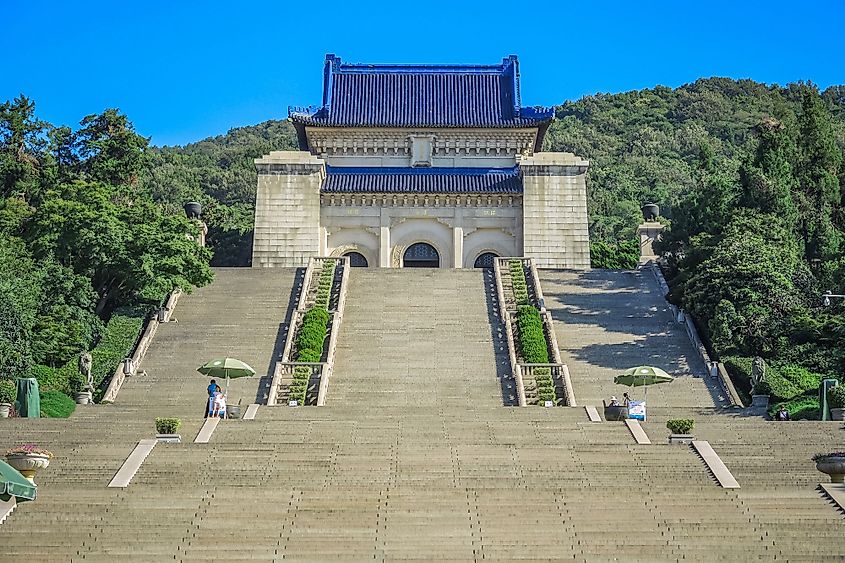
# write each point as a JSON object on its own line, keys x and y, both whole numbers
{"x": 421, "y": 165}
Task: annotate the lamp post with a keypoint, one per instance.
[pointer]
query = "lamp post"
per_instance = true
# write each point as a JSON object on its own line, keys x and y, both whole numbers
{"x": 828, "y": 295}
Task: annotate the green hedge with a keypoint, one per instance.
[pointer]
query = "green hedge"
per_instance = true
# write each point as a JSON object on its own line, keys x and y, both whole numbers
{"x": 117, "y": 343}
{"x": 324, "y": 284}
{"x": 518, "y": 282}
{"x": 532, "y": 339}
{"x": 312, "y": 333}
{"x": 55, "y": 404}
{"x": 623, "y": 255}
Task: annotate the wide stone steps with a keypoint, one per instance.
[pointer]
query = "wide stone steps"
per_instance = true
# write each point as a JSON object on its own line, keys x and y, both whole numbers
{"x": 428, "y": 471}
{"x": 419, "y": 338}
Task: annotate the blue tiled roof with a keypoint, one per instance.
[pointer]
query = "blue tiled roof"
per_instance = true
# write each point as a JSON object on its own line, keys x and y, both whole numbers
{"x": 359, "y": 95}
{"x": 421, "y": 180}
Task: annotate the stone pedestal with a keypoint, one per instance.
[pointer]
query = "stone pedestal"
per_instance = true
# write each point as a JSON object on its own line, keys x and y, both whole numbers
{"x": 647, "y": 233}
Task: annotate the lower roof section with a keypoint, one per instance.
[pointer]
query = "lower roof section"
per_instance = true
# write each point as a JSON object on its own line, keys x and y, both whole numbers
{"x": 421, "y": 180}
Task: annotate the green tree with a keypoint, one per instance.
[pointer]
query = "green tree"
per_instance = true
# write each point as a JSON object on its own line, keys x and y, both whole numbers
{"x": 22, "y": 147}
{"x": 110, "y": 149}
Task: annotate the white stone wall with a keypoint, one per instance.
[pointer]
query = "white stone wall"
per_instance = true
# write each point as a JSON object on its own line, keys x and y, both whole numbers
{"x": 554, "y": 210}
{"x": 287, "y": 209}
{"x": 460, "y": 228}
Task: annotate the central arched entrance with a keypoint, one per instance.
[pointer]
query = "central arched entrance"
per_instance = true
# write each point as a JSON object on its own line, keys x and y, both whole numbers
{"x": 485, "y": 260}
{"x": 421, "y": 255}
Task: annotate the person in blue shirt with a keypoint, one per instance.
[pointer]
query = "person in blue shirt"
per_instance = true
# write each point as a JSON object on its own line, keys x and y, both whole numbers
{"x": 212, "y": 389}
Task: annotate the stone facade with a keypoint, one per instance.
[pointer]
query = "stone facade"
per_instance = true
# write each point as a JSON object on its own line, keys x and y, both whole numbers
{"x": 466, "y": 189}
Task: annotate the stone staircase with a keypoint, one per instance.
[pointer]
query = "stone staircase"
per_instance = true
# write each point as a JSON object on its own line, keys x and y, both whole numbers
{"x": 608, "y": 321}
{"x": 421, "y": 337}
{"x": 416, "y": 459}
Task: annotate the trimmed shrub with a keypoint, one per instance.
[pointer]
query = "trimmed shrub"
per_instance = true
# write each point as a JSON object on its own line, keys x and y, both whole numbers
{"x": 518, "y": 282}
{"x": 8, "y": 392}
{"x": 805, "y": 407}
{"x": 680, "y": 425}
{"x": 835, "y": 397}
{"x": 168, "y": 425}
{"x": 55, "y": 404}
{"x": 532, "y": 338}
{"x": 117, "y": 343}
{"x": 66, "y": 378}
{"x": 311, "y": 335}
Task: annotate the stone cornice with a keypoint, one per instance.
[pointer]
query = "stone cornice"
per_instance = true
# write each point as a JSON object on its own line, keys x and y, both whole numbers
{"x": 420, "y": 200}
{"x": 553, "y": 164}
{"x": 291, "y": 163}
{"x": 337, "y": 141}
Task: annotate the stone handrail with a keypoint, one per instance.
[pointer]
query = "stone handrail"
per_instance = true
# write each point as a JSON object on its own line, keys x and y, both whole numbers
{"x": 337, "y": 317}
{"x": 714, "y": 369}
{"x": 506, "y": 318}
{"x": 119, "y": 375}
{"x": 309, "y": 284}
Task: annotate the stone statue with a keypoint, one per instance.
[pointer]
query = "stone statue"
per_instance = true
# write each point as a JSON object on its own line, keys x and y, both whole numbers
{"x": 758, "y": 371}
{"x": 85, "y": 365}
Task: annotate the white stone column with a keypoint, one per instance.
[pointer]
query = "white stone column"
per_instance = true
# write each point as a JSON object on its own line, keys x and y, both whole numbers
{"x": 384, "y": 247}
{"x": 324, "y": 241}
{"x": 458, "y": 247}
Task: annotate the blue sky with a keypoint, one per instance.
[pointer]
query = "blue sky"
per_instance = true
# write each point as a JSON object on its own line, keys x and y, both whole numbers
{"x": 185, "y": 70}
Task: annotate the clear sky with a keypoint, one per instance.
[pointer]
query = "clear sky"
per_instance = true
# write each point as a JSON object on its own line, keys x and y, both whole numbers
{"x": 183, "y": 70}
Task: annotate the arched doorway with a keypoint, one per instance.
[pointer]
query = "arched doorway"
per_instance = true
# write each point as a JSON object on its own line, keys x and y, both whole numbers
{"x": 357, "y": 260}
{"x": 485, "y": 260}
{"x": 421, "y": 255}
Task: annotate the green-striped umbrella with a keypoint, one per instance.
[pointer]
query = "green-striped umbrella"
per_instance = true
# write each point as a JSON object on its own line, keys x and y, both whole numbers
{"x": 230, "y": 368}
{"x": 13, "y": 484}
{"x": 643, "y": 376}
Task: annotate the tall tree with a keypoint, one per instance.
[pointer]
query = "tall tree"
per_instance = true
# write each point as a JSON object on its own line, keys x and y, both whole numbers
{"x": 110, "y": 149}
{"x": 22, "y": 147}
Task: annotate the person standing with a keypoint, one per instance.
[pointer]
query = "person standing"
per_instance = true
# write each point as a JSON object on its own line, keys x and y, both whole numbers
{"x": 212, "y": 389}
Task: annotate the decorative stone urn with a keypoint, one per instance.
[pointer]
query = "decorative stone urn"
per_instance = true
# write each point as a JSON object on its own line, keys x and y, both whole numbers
{"x": 833, "y": 465}
{"x": 82, "y": 397}
{"x": 681, "y": 438}
{"x": 5, "y": 410}
{"x": 837, "y": 414}
{"x": 28, "y": 464}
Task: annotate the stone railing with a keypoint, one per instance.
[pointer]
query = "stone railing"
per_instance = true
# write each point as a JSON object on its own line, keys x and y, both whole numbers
{"x": 129, "y": 366}
{"x": 320, "y": 371}
{"x": 714, "y": 369}
{"x": 508, "y": 308}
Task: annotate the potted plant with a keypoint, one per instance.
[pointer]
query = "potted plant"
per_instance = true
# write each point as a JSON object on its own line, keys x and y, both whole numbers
{"x": 836, "y": 400}
{"x": 680, "y": 429}
{"x": 833, "y": 464}
{"x": 166, "y": 430}
{"x": 28, "y": 459}
{"x": 7, "y": 397}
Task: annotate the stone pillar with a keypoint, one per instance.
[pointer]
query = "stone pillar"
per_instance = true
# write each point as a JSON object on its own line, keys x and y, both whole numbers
{"x": 324, "y": 241}
{"x": 554, "y": 210}
{"x": 647, "y": 233}
{"x": 384, "y": 247}
{"x": 287, "y": 209}
{"x": 458, "y": 247}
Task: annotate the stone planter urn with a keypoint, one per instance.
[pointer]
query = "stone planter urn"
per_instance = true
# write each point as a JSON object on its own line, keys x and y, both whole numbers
{"x": 835, "y": 414}
{"x": 760, "y": 401}
{"x": 82, "y": 397}
{"x": 28, "y": 464}
{"x": 5, "y": 410}
{"x": 833, "y": 465}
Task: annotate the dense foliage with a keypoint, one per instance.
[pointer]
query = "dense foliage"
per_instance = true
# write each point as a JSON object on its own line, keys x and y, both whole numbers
{"x": 55, "y": 404}
{"x": 79, "y": 238}
{"x": 532, "y": 338}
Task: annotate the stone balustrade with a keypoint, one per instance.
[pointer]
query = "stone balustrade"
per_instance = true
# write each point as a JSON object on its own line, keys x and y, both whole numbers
{"x": 123, "y": 371}
{"x": 320, "y": 371}
{"x": 523, "y": 372}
